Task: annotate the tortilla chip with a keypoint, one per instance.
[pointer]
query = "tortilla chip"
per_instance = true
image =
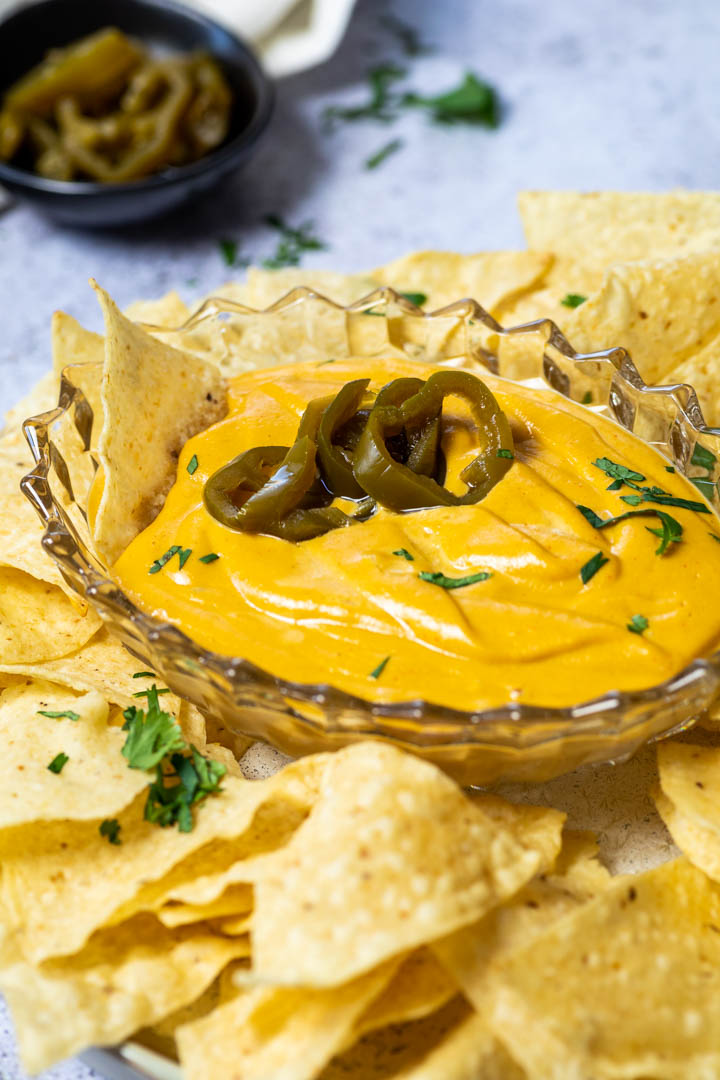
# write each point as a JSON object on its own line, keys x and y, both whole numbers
{"x": 38, "y": 621}
{"x": 95, "y": 782}
{"x": 662, "y": 312}
{"x": 236, "y": 902}
{"x": 73, "y": 344}
{"x": 450, "y": 1044}
{"x": 489, "y": 277}
{"x": 701, "y": 372}
{"x": 270, "y": 1032}
{"x": 420, "y": 986}
{"x": 154, "y": 398}
{"x": 699, "y": 844}
{"x": 264, "y": 287}
{"x": 612, "y": 226}
{"x": 381, "y": 867}
{"x": 472, "y": 955}
{"x": 689, "y": 801}
{"x": 62, "y": 883}
{"x": 125, "y": 978}
{"x": 626, "y": 986}
{"x": 41, "y": 398}
{"x": 168, "y": 311}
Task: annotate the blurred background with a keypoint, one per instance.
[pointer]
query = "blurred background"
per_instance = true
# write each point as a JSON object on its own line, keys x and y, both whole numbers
{"x": 603, "y": 94}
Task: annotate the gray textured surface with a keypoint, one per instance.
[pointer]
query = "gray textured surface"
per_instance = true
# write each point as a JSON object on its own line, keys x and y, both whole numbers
{"x": 600, "y": 94}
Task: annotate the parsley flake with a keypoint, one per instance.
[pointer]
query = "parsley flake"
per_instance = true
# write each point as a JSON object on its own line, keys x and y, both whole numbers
{"x": 436, "y": 578}
{"x": 416, "y": 298}
{"x": 184, "y": 556}
{"x": 404, "y": 554}
{"x": 192, "y": 465}
{"x": 144, "y": 675}
{"x": 292, "y": 243}
{"x": 164, "y": 559}
{"x": 591, "y": 567}
{"x": 63, "y": 714}
{"x": 474, "y": 101}
{"x": 622, "y": 475}
{"x": 384, "y": 153}
{"x": 670, "y": 468}
{"x": 638, "y": 624}
{"x": 503, "y": 453}
{"x": 670, "y": 533}
{"x": 573, "y": 300}
{"x": 377, "y": 672}
{"x": 58, "y": 762}
{"x": 210, "y": 557}
{"x": 111, "y": 827}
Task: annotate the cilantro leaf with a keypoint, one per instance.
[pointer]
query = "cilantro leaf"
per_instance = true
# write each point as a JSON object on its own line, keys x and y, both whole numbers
{"x": 377, "y": 672}
{"x": 184, "y": 556}
{"x": 192, "y": 464}
{"x": 292, "y": 243}
{"x": 384, "y": 153}
{"x": 404, "y": 554}
{"x": 230, "y": 251}
{"x": 502, "y": 452}
{"x": 416, "y": 298}
{"x": 151, "y": 735}
{"x": 172, "y": 794}
{"x": 474, "y": 101}
{"x": 638, "y": 624}
{"x": 573, "y": 300}
{"x": 63, "y": 714}
{"x": 382, "y": 105}
{"x": 622, "y": 475}
{"x": 211, "y": 557}
{"x": 111, "y": 827}
{"x": 591, "y": 567}
{"x": 618, "y": 472}
{"x": 670, "y": 533}
{"x": 58, "y": 763}
{"x": 164, "y": 559}
{"x": 436, "y": 578}
{"x": 587, "y": 398}
{"x": 703, "y": 458}
{"x": 144, "y": 675}
{"x": 407, "y": 35}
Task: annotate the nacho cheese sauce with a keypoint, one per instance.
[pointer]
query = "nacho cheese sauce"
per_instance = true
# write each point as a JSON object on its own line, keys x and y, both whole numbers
{"x": 333, "y": 608}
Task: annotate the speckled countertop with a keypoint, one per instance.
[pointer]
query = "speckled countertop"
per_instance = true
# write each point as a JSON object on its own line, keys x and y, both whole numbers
{"x": 595, "y": 95}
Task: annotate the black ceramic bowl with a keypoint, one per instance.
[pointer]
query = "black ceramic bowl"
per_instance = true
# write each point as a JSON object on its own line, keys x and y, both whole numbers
{"x": 28, "y": 33}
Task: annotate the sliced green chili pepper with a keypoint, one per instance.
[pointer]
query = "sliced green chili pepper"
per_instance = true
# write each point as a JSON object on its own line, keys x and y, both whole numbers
{"x": 336, "y": 463}
{"x": 396, "y": 485}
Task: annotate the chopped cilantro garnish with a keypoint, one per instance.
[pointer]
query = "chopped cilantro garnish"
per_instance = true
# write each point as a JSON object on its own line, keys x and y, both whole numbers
{"x": 383, "y": 153}
{"x": 591, "y": 567}
{"x": 146, "y": 693}
{"x": 472, "y": 102}
{"x": 63, "y": 714}
{"x": 192, "y": 464}
{"x": 618, "y": 472}
{"x": 638, "y": 624}
{"x": 170, "y": 803}
{"x": 164, "y": 559}
{"x": 622, "y": 475}
{"x": 706, "y": 487}
{"x": 670, "y": 468}
{"x": 703, "y": 458}
{"x": 382, "y": 104}
{"x": 416, "y": 298}
{"x": 154, "y": 741}
{"x": 151, "y": 734}
{"x": 58, "y": 762}
{"x": 210, "y": 557}
{"x": 436, "y": 578}
{"x": 144, "y": 675}
{"x": 670, "y": 533}
{"x": 404, "y": 554}
{"x": 714, "y": 537}
{"x": 377, "y": 672}
{"x": 632, "y": 500}
{"x": 587, "y": 398}
{"x": 573, "y": 299}
{"x": 184, "y": 556}
{"x": 111, "y": 827}
{"x": 502, "y": 452}
{"x": 229, "y": 249}
{"x": 292, "y": 243}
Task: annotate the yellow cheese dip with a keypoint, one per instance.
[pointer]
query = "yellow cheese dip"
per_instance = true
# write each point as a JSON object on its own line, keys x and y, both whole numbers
{"x": 331, "y": 609}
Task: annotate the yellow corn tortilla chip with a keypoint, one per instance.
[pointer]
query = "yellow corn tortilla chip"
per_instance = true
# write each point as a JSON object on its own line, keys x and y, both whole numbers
{"x": 62, "y": 883}
{"x": 699, "y": 844}
{"x": 236, "y": 902}
{"x": 38, "y": 621}
{"x": 663, "y": 312}
{"x": 689, "y": 801}
{"x": 103, "y": 664}
{"x": 489, "y": 277}
{"x": 701, "y": 372}
{"x": 95, "y": 782}
{"x": 627, "y": 985}
{"x": 20, "y": 528}
{"x": 452, "y": 1044}
{"x": 472, "y": 955}
{"x": 125, "y": 977}
{"x": 235, "y": 925}
{"x": 264, "y": 287}
{"x": 381, "y": 867}
{"x": 154, "y": 399}
{"x": 612, "y": 226}
{"x": 168, "y": 311}
{"x": 276, "y": 1032}
{"x": 420, "y": 986}
{"x": 41, "y": 398}
{"x": 73, "y": 344}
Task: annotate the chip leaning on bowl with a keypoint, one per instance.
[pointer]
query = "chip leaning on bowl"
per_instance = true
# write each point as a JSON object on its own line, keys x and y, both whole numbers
{"x": 581, "y": 568}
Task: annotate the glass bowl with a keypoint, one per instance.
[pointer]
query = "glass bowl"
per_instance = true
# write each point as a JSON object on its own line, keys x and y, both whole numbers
{"x": 513, "y": 742}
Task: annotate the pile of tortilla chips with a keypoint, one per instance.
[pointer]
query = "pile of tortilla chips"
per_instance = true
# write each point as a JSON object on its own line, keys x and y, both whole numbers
{"x": 355, "y": 914}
